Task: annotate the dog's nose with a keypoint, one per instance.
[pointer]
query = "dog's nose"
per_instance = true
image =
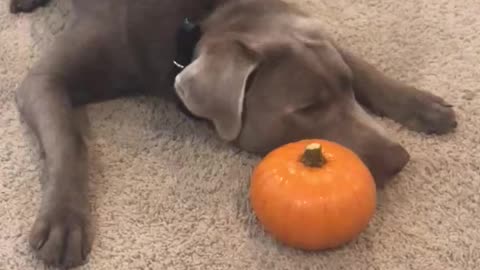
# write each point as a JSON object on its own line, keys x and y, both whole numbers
{"x": 177, "y": 80}
{"x": 178, "y": 85}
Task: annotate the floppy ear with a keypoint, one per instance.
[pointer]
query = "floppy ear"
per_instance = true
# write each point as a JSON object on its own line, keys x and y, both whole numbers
{"x": 213, "y": 85}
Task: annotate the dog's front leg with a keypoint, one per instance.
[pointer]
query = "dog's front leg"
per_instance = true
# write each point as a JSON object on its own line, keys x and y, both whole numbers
{"x": 416, "y": 109}
{"x": 60, "y": 235}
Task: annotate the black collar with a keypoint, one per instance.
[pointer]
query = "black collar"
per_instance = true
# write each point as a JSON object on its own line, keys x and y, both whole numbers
{"x": 188, "y": 36}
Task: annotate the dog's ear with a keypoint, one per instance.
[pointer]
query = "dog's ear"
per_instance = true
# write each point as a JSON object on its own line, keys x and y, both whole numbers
{"x": 213, "y": 86}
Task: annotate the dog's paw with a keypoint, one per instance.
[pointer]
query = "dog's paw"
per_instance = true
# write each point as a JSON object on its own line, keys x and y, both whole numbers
{"x": 61, "y": 238}
{"x": 430, "y": 114}
{"x": 17, "y": 6}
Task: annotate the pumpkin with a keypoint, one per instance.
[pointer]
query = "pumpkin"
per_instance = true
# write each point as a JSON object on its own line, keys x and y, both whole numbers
{"x": 313, "y": 194}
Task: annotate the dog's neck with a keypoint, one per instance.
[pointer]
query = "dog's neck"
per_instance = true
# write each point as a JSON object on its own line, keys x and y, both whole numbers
{"x": 188, "y": 35}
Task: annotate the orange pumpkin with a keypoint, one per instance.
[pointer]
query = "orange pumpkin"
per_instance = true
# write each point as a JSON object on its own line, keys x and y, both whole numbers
{"x": 313, "y": 194}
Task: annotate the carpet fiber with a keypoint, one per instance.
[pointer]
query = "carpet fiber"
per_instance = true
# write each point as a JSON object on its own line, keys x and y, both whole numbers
{"x": 167, "y": 194}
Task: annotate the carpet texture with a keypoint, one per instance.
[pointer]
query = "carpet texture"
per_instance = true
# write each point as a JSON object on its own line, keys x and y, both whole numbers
{"x": 168, "y": 194}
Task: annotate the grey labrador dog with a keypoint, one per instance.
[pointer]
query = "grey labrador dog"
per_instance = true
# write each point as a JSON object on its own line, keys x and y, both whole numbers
{"x": 263, "y": 74}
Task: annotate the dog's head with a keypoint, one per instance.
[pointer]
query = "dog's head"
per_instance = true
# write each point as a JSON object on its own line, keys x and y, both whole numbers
{"x": 265, "y": 75}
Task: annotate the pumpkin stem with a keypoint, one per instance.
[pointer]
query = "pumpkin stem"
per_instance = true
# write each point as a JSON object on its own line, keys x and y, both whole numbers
{"x": 313, "y": 157}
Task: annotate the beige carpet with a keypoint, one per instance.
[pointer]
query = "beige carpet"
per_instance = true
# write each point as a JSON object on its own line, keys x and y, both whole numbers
{"x": 170, "y": 195}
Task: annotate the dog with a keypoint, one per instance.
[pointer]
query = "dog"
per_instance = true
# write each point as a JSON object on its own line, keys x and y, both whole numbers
{"x": 263, "y": 73}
